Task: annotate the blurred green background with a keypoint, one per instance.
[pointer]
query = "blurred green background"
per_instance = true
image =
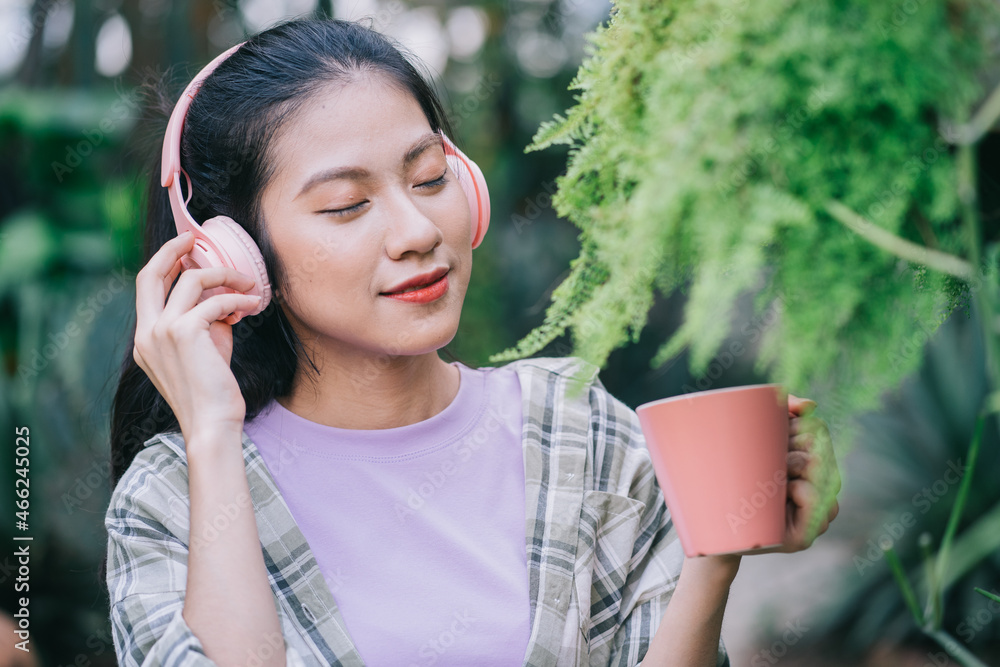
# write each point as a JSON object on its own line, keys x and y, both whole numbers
{"x": 74, "y": 137}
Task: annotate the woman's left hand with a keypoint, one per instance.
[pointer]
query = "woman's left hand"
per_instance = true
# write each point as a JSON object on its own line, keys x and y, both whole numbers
{"x": 813, "y": 477}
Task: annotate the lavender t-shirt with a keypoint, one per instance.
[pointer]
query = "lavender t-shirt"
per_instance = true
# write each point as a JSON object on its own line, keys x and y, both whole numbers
{"x": 418, "y": 530}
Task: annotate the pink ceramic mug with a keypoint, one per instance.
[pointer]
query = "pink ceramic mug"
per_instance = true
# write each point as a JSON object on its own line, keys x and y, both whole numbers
{"x": 720, "y": 458}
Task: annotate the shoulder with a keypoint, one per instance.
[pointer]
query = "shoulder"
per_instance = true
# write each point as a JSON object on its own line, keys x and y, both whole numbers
{"x": 561, "y": 381}
{"x": 162, "y": 455}
{"x": 155, "y": 485}
{"x": 554, "y": 369}
{"x": 566, "y": 401}
{"x": 550, "y": 382}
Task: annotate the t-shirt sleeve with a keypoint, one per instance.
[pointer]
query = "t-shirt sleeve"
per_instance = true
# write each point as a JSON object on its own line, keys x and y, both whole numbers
{"x": 649, "y": 555}
{"x": 148, "y": 529}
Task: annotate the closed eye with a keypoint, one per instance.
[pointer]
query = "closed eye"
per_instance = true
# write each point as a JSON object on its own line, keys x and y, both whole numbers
{"x": 440, "y": 180}
{"x": 345, "y": 211}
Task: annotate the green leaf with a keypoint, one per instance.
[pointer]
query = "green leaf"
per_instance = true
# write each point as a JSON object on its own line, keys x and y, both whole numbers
{"x": 991, "y": 596}
{"x": 904, "y": 586}
{"x": 963, "y": 493}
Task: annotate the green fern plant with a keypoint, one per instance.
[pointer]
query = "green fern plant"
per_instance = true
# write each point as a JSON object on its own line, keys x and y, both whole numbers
{"x": 789, "y": 148}
{"x": 728, "y": 144}
{"x": 818, "y": 154}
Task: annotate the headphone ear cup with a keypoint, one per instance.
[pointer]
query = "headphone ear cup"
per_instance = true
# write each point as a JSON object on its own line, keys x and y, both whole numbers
{"x": 471, "y": 178}
{"x": 244, "y": 256}
{"x": 483, "y": 195}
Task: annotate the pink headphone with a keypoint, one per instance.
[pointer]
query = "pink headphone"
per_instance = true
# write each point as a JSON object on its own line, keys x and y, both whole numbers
{"x": 219, "y": 241}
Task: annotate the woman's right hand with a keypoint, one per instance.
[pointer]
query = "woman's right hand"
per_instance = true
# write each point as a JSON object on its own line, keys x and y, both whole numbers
{"x": 182, "y": 345}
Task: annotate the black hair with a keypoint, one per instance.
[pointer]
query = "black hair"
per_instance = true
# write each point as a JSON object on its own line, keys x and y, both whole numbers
{"x": 227, "y": 133}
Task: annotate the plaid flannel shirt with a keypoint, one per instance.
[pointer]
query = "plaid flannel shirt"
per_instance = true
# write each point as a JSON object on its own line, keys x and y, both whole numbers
{"x": 603, "y": 555}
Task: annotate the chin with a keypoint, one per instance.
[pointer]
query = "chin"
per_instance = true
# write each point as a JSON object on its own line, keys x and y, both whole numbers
{"x": 411, "y": 341}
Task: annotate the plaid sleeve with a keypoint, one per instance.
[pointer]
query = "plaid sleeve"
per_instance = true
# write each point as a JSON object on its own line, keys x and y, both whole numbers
{"x": 651, "y": 560}
{"x": 650, "y": 574}
{"x": 148, "y": 530}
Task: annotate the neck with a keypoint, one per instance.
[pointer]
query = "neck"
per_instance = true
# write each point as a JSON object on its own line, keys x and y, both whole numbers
{"x": 372, "y": 391}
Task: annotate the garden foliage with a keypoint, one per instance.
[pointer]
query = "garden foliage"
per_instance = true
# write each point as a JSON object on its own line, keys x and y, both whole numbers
{"x": 706, "y": 145}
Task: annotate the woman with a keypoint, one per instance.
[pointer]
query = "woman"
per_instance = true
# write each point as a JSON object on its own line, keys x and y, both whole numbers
{"x": 314, "y": 485}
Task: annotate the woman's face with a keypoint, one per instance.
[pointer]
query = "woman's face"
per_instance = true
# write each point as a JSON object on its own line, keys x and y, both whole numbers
{"x": 361, "y": 203}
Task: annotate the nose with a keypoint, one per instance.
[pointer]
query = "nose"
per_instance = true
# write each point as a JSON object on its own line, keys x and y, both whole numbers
{"x": 410, "y": 229}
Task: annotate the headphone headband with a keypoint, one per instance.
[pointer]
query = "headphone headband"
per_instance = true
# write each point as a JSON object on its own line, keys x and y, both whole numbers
{"x": 170, "y": 165}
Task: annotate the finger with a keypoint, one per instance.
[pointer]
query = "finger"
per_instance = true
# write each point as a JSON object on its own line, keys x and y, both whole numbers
{"x": 822, "y": 448}
{"x": 802, "y": 493}
{"x": 830, "y": 516}
{"x": 834, "y": 472}
{"x": 798, "y": 464}
{"x": 193, "y": 282}
{"x": 221, "y": 305}
{"x": 802, "y": 442}
{"x": 809, "y": 434}
{"x": 807, "y": 424}
{"x": 168, "y": 281}
{"x": 800, "y": 406}
{"x": 150, "y": 291}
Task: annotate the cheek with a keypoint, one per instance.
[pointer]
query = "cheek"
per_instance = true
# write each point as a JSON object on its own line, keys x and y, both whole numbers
{"x": 301, "y": 261}
{"x": 456, "y": 219}
{"x": 323, "y": 266}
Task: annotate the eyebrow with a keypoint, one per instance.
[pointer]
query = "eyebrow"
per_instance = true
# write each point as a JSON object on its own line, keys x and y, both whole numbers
{"x": 425, "y": 142}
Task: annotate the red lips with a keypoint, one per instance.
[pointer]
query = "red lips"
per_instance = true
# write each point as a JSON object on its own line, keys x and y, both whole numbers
{"x": 421, "y": 280}
{"x": 422, "y": 288}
